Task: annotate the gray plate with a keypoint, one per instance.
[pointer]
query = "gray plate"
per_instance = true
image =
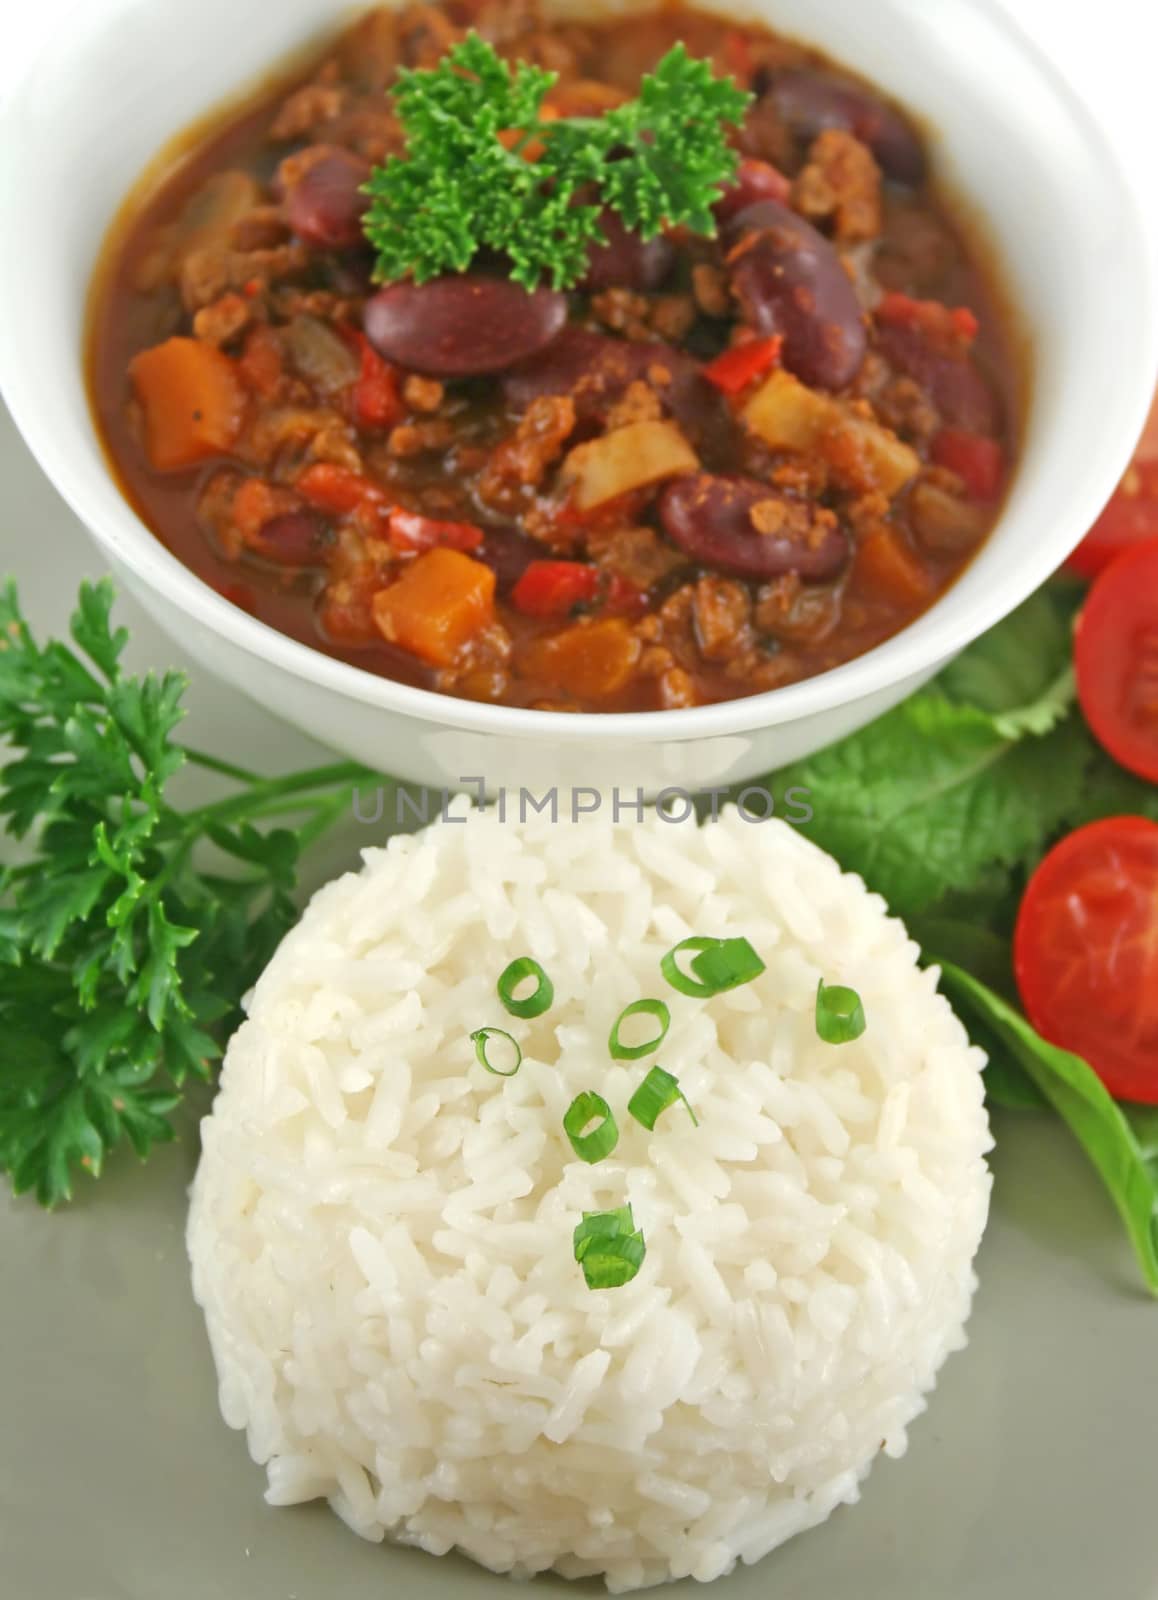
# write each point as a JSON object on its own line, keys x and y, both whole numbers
{"x": 1031, "y": 1475}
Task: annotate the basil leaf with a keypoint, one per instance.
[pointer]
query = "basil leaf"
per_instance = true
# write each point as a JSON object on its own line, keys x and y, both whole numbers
{"x": 1126, "y": 1164}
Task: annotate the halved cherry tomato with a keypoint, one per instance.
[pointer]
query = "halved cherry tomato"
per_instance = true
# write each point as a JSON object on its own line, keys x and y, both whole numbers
{"x": 411, "y": 532}
{"x": 554, "y": 588}
{"x": 979, "y": 462}
{"x": 1086, "y": 952}
{"x": 733, "y": 371}
{"x": 1116, "y": 656}
{"x": 1131, "y": 516}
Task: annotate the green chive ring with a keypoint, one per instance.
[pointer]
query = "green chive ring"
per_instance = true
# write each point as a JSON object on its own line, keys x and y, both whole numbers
{"x": 656, "y": 1093}
{"x": 840, "y": 1015}
{"x": 679, "y": 980}
{"x": 639, "y": 1008}
{"x": 482, "y": 1037}
{"x": 538, "y": 1001}
{"x": 601, "y": 1141}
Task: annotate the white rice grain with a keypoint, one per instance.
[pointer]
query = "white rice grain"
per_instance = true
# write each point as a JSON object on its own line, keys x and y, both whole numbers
{"x": 381, "y": 1230}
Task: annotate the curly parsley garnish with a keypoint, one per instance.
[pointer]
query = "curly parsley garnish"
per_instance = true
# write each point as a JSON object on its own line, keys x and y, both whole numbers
{"x": 484, "y": 168}
{"x": 121, "y": 956}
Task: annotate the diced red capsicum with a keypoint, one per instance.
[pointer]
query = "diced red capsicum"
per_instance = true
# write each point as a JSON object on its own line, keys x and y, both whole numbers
{"x": 411, "y": 532}
{"x": 338, "y": 490}
{"x": 733, "y": 371}
{"x": 376, "y": 401}
{"x": 979, "y": 462}
{"x": 930, "y": 317}
{"x": 554, "y": 588}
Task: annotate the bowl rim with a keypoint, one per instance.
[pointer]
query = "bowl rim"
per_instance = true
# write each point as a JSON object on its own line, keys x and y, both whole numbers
{"x": 130, "y": 543}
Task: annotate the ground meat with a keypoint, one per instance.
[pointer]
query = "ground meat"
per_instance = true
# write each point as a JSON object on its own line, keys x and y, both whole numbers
{"x": 643, "y": 317}
{"x": 677, "y": 689}
{"x": 521, "y": 462}
{"x": 308, "y": 111}
{"x": 425, "y": 35}
{"x": 766, "y": 137}
{"x": 416, "y": 438}
{"x": 208, "y": 273}
{"x": 841, "y": 182}
{"x": 916, "y": 252}
{"x": 721, "y": 609}
{"x": 710, "y": 288}
{"x": 638, "y": 403}
{"x": 867, "y": 512}
{"x": 292, "y": 431}
{"x": 423, "y": 394}
{"x": 223, "y": 320}
{"x": 368, "y": 52}
{"x": 901, "y": 404}
{"x": 637, "y": 554}
{"x": 288, "y": 302}
{"x": 800, "y": 613}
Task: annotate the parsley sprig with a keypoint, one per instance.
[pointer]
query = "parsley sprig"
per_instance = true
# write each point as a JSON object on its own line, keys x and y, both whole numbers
{"x": 121, "y": 954}
{"x": 467, "y": 184}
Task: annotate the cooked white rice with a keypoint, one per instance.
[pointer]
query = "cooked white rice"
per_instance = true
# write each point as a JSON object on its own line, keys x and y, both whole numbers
{"x": 381, "y": 1230}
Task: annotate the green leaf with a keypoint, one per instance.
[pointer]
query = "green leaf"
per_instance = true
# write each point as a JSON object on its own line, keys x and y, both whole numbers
{"x": 1022, "y": 668}
{"x": 930, "y": 796}
{"x": 92, "y": 629}
{"x": 1082, "y": 1101}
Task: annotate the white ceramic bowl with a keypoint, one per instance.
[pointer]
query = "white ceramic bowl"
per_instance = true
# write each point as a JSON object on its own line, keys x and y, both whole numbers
{"x": 1010, "y": 138}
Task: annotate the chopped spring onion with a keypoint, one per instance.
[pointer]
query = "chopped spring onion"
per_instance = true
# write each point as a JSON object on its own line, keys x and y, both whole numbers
{"x": 679, "y": 980}
{"x": 609, "y": 1248}
{"x": 719, "y": 965}
{"x": 482, "y": 1037}
{"x": 538, "y": 1001}
{"x": 839, "y": 1014}
{"x": 727, "y": 964}
{"x": 656, "y": 1093}
{"x": 602, "y": 1139}
{"x": 639, "y": 1008}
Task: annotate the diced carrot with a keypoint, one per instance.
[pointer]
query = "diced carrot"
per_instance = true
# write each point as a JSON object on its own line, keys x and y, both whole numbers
{"x": 886, "y": 566}
{"x": 979, "y": 462}
{"x": 733, "y": 371}
{"x": 411, "y": 532}
{"x": 591, "y": 661}
{"x": 436, "y": 606}
{"x": 192, "y": 399}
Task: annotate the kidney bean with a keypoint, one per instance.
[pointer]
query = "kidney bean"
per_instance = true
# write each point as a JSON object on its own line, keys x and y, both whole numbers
{"x": 595, "y": 369}
{"x": 789, "y": 280}
{"x": 625, "y": 260}
{"x": 324, "y": 202}
{"x": 755, "y": 180}
{"x": 809, "y": 103}
{"x": 462, "y": 326}
{"x": 508, "y": 554}
{"x": 956, "y": 387}
{"x": 294, "y": 539}
{"x": 710, "y": 519}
